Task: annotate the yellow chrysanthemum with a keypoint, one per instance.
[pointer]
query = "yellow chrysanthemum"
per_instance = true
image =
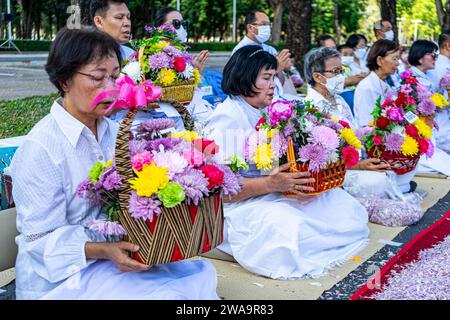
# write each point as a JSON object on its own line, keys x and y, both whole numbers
{"x": 263, "y": 156}
{"x": 424, "y": 130}
{"x": 372, "y": 123}
{"x": 335, "y": 119}
{"x": 160, "y": 45}
{"x": 197, "y": 78}
{"x": 166, "y": 77}
{"x": 410, "y": 147}
{"x": 189, "y": 136}
{"x": 439, "y": 100}
{"x": 349, "y": 136}
{"x": 150, "y": 180}
{"x": 109, "y": 164}
{"x": 271, "y": 133}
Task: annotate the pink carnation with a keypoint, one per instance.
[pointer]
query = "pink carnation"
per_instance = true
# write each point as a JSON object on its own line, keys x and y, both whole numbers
{"x": 138, "y": 160}
{"x": 395, "y": 114}
{"x": 194, "y": 157}
{"x": 350, "y": 156}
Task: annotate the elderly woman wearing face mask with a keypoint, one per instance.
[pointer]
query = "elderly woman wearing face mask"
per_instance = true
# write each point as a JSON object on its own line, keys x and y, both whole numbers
{"x": 267, "y": 233}
{"x": 323, "y": 72}
{"x": 60, "y": 254}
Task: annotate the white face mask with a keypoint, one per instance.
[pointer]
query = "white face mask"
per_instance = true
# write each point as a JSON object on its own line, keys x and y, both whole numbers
{"x": 360, "y": 53}
{"x": 347, "y": 60}
{"x": 389, "y": 35}
{"x": 264, "y": 33}
{"x": 335, "y": 85}
{"x": 182, "y": 34}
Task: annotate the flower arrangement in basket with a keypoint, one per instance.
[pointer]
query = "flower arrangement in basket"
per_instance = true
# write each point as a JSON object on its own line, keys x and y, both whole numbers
{"x": 296, "y": 132}
{"x": 163, "y": 59}
{"x": 164, "y": 192}
{"x": 403, "y": 125}
{"x": 444, "y": 86}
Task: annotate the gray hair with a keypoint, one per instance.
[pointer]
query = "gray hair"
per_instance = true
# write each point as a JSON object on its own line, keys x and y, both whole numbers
{"x": 378, "y": 25}
{"x": 315, "y": 62}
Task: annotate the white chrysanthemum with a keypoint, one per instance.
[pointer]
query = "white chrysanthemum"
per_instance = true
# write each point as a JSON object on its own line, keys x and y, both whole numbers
{"x": 188, "y": 73}
{"x": 169, "y": 159}
{"x": 334, "y": 157}
{"x": 399, "y": 130}
{"x": 133, "y": 69}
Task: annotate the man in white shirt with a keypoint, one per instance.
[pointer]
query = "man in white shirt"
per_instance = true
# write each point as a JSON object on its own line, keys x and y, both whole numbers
{"x": 113, "y": 18}
{"x": 259, "y": 30}
{"x": 442, "y": 65}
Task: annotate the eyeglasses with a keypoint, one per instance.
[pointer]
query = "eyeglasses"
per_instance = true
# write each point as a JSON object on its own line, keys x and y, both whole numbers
{"x": 102, "y": 81}
{"x": 434, "y": 55}
{"x": 335, "y": 71}
{"x": 177, "y": 23}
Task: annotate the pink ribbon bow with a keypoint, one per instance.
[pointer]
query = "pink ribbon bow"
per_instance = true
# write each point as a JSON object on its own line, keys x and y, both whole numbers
{"x": 129, "y": 94}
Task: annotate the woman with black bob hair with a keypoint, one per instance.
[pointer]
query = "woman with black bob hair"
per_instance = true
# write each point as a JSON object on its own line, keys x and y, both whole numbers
{"x": 60, "y": 254}
{"x": 267, "y": 233}
{"x": 422, "y": 58}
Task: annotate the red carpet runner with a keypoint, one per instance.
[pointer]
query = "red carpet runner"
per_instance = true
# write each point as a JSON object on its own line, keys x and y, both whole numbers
{"x": 434, "y": 234}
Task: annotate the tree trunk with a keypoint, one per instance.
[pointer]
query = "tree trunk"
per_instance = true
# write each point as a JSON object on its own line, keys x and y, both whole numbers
{"x": 25, "y": 18}
{"x": 337, "y": 25}
{"x": 388, "y": 10}
{"x": 446, "y": 24}
{"x": 2, "y": 23}
{"x": 277, "y": 6}
{"x": 440, "y": 12}
{"x": 298, "y": 29}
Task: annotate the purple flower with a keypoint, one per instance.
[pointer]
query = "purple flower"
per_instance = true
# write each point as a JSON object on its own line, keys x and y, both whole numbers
{"x": 137, "y": 146}
{"x": 148, "y": 129}
{"x": 363, "y": 131}
{"x": 149, "y": 29}
{"x": 336, "y": 126}
{"x": 231, "y": 182}
{"x": 108, "y": 228}
{"x": 325, "y": 136}
{"x": 444, "y": 84}
{"x": 110, "y": 180}
{"x": 194, "y": 183}
{"x": 426, "y": 107}
{"x": 143, "y": 207}
{"x": 430, "y": 150}
{"x": 394, "y": 142}
{"x": 423, "y": 92}
{"x": 167, "y": 27}
{"x": 315, "y": 154}
{"x": 83, "y": 187}
{"x": 160, "y": 60}
{"x": 279, "y": 144}
{"x": 406, "y": 74}
{"x": 167, "y": 143}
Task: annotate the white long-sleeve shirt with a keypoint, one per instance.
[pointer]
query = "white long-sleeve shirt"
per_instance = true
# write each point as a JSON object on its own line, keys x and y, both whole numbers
{"x": 366, "y": 94}
{"x": 54, "y": 159}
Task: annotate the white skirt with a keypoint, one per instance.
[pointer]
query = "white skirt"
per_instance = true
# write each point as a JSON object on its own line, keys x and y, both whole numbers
{"x": 281, "y": 238}
{"x": 102, "y": 280}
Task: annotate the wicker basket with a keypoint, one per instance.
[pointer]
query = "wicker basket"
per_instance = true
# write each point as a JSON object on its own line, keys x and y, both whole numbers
{"x": 183, "y": 92}
{"x": 399, "y": 163}
{"x": 178, "y": 233}
{"x": 331, "y": 177}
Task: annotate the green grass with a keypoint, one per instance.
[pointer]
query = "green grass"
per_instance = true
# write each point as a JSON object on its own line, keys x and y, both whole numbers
{"x": 19, "y": 116}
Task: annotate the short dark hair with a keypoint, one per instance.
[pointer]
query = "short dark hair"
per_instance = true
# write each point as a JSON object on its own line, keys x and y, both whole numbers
{"x": 380, "y": 48}
{"x": 241, "y": 71}
{"x": 443, "y": 38}
{"x": 344, "y": 46}
{"x": 74, "y": 48}
{"x": 251, "y": 17}
{"x": 419, "y": 49}
{"x": 100, "y": 7}
{"x": 161, "y": 14}
{"x": 354, "y": 39}
{"x": 321, "y": 39}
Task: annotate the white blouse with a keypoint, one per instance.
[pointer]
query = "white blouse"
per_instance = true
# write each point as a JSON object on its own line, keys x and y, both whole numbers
{"x": 46, "y": 170}
{"x": 366, "y": 94}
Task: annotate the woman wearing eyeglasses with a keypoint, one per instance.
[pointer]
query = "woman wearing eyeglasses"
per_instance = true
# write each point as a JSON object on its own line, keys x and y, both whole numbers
{"x": 324, "y": 74}
{"x": 267, "y": 233}
{"x": 60, "y": 256}
{"x": 422, "y": 57}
